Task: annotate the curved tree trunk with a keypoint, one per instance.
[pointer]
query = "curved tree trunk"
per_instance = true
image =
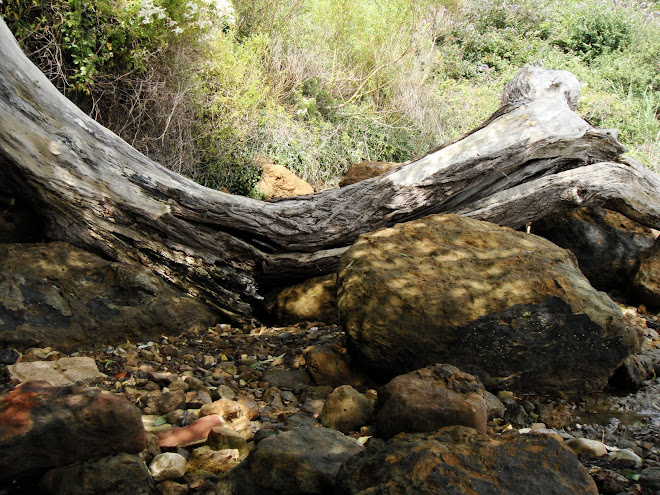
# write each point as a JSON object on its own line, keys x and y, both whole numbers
{"x": 532, "y": 157}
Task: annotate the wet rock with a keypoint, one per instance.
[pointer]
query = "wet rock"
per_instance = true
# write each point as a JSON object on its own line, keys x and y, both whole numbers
{"x": 646, "y": 282}
{"x": 303, "y": 460}
{"x": 278, "y": 181}
{"x": 346, "y": 410}
{"x": 64, "y": 371}
{"x": 430, "y": 398}
{"x": 593, "y": 448}
{"x": 197, "y": 398}
{"x": 327, "y": 367}
{"x": 121, "y": 474}
{"x": 460, "y": 460}
{"x": 152, "y": 448}
{"x": 607, "y": 244}
{"x": 168, "y": 466}
{"x": 314, "y": 299}
{"x": 57, "y": 294}
{"x": 43, "y": 427}
{"x": 366, "y": 170}
{"x": 509, "y": 307}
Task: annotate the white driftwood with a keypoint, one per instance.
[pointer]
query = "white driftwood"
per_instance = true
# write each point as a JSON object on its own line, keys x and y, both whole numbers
{"x": 99, "y": 193}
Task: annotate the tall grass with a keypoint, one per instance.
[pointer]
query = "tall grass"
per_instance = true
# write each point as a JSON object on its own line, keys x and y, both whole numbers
{"x": 317, "y": 85}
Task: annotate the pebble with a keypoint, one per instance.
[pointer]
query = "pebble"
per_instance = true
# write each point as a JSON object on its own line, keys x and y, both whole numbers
{"x": 593, "y": 448}
{"x": 625, "y": 458}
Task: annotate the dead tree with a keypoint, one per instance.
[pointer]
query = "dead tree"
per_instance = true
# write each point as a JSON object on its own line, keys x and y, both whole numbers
{"x": 534, "y": 156}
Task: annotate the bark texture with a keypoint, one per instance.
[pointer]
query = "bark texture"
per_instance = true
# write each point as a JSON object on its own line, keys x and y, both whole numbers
{"x": 534, "y": 155}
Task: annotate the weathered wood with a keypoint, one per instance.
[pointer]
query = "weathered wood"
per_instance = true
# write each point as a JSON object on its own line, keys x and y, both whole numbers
{"x": 99, "y": 193}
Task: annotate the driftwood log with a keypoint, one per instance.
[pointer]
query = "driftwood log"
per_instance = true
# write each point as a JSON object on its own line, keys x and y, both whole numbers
{"x": 535, "y": 156}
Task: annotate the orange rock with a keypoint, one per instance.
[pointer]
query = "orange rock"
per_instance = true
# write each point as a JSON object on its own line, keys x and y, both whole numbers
{"x": 197, "y": 432}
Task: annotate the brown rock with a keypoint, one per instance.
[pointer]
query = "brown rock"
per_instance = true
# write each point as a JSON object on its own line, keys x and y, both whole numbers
{"x": 64, "y": 371}
{"x": 346, "y": 410}
{"x": 121, "y": 474}
{"x": 430, "y": 398}
{"x": 43, "y": 427}
{"x": 57, "y": 294}
{"x": 366, "y": 170}
{"x": 279, "y": 182}
{"x": 460, "y": 460}
{"x": 314, "y": 299}
{"x": 509, "y": 307}
{"x": 327, "y": 367}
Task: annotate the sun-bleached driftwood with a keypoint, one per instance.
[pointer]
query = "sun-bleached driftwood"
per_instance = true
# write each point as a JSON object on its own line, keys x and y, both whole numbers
{"x": 94, "y": 190}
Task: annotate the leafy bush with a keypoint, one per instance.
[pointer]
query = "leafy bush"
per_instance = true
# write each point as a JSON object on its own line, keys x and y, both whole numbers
{"x": 205, "y": 86}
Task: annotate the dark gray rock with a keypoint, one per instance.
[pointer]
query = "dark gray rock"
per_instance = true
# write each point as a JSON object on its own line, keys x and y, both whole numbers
{"x": 121, "y": 474}
{"x": 57, "y": 294}
{"x": 302, "y": 460}
{"x": 462, "y": 461}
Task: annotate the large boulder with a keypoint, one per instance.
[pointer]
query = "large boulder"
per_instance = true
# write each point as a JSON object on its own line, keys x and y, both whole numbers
{"x": 56, "y": 294}
{"x": 462, "y": 461}
{"x": 430, "y": 398}
{"x": 509, "y": 307}
{"x": 606, "y": 243}
{"x": 42, "y": 427}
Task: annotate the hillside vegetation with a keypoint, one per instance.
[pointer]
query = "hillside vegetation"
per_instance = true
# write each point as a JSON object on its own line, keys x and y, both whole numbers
{"x": 207, "y": 87}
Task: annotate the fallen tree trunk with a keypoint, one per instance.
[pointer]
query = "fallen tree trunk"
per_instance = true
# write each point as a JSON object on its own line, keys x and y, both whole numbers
{"x": 534, "y": 155}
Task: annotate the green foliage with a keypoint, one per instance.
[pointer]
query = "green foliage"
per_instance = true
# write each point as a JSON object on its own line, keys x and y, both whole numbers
{"x": 594, "y": 29}
{"x": 205, "y": 86}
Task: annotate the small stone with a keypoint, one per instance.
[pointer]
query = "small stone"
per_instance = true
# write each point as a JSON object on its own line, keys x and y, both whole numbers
{"x": 197, "y": 398}
{"x": 625, "y": 458}
{"x": 346, "y": 410}
{"x": 208, "y": 361}
{"x": 222, "y": 438}
{"x": 179, "y": 385}
{"x": 169, "y": 401}
{"x": 223, "y": 392}
{"x": 594, "y": 448}
{"x": 168, "y": 466}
